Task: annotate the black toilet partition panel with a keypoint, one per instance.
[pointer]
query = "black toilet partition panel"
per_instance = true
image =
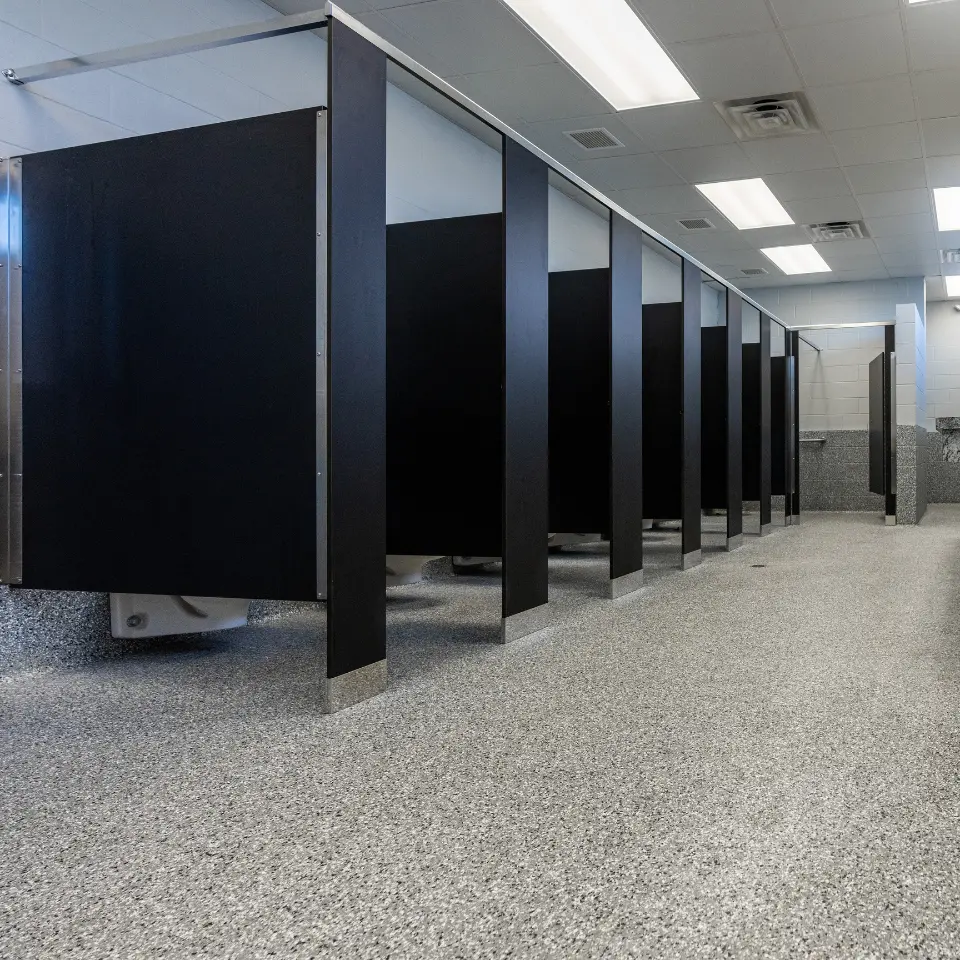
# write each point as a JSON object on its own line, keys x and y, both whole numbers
{"x": 692, "y": 432}
{"x": 766, "y": 446}
{"x": 626, "y": 403}
{"x": 580, "y": 401}
{"x": 356, "y": 375}
{"x": 169, "y": 355}
{"x": 764, "y": 461}
{"x": 526, "y": 495}
{"x": 663, "y": 402}
{"x": 722, "y": 426}
{"x": 795, "y": 351}
{"x": 779, "y": 387}
{"x": 444, "y": 373}
{"x": 714, "y": 418}
{"x": 734, "y": 400}
{"x": 878, "y": 473}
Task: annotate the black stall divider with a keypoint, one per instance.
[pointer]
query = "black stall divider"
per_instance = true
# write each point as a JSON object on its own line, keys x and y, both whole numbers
{"x": 579, "y": 401}
{"x": 444, "y": 375}
{"x": 169, "y": 421}
{"x": 663, "y": 401}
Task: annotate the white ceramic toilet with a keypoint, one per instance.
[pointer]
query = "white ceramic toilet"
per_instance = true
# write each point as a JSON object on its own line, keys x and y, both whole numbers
{"x": 145, "y": 615}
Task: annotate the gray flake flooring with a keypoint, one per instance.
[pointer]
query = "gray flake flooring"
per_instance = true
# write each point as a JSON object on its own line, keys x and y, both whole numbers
{"x": 741, "y": 762}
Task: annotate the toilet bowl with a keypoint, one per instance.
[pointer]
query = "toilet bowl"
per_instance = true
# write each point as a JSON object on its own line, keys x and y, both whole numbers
{"x": 143, "y": 615}
{"x": 403, "y": 570}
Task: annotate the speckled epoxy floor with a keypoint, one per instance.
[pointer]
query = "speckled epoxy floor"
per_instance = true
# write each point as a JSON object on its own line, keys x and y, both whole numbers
{"x": 741, "y": 762}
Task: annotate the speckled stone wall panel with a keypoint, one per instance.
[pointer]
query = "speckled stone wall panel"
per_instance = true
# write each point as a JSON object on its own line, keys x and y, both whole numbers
{"x": 943, "y": 470}
{"x": 835, "y": 474}
{"x": 910, "y": 497}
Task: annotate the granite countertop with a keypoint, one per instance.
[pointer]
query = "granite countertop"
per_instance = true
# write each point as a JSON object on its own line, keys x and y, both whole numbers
{"x": 948, "y": 423}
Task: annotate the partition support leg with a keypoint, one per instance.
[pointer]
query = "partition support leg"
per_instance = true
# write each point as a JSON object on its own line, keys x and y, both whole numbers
{"x": 355, "y": 347}
{"x": 734, "y": 421}
{"x": 795, "y": 350}
{"x": 789, "y": 431}
{"x": 626, "y": 407}
{"x": 526, "y": 504}
{"x": 766, "y": 443}
{"x": 691, "y": 494}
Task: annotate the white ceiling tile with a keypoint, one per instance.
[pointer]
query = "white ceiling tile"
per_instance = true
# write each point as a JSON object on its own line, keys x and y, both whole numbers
{"x": 849, "y": 248}
{"x": 808, "y": 184}
{"x": 736, "y": 67}
{"x": 899, "y": 141}
{"x": 919, "y": 261}
{"x": 895, "y": 204}
{"x": 824, "y": 210}
{"x": 788, "y": 154}
{"x": 948, "y": 239}
{"x": 943, "y": 172}
{"x": 658, "y": 199}
{"x": 913, "y": 224}
{"x": 679, "y": 125}
{"x": 707, "y": 242}
{"x": 674, "y": 21}
{"x": 885, "y": 177}
{"x": 549, "y": 136}
{"x": 941, "y": 137}
{"x": 932, "y": 31}
{"x": 795, "y": 13}
{"x": 776, "y": 236}
{"x": 866, "y": 104}
{"x": 850, "y": 50}
{"x": 474, "y": 35}
{"x": 546, "y": 92}
{"x": 627, "y": 173}
{"x": 937, "y": 92}
{"x": 709, "y": 164}
{"x": 428, "y": 58}
{"x": 907, "y": 243}
{"x": 857, "y": 276}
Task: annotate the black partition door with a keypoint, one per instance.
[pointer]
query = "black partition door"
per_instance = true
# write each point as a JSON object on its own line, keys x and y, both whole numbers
{"x": 444, "y": 372}
{"x": 691, "y": 476}
{"x": 580, "y": 401}
{"x": 779, "y": 413}
{"x": 734, "y": 453}
{"x": 526, "y": 495}
{"x": 663, "y": 401}
{"x": 714, "y": 418}
{"x": 626, "y": 398}
{"x": 766, "y": 424}
{"x": 169, "y": 329}
{"x": 878, "y": 473}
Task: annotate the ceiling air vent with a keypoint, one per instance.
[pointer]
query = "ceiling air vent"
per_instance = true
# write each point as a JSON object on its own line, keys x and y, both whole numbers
{"x": 837, "y": 230}
{"x": 760, "y": 118}
{"x": 950, "y": 256}
{"x": 753, "y": 272}
{"x": 698, "y": 224}
{"x": 596, "y": 138}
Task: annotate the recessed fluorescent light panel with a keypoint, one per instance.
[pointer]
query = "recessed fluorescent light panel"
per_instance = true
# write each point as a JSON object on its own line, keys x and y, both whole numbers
{"x": 947, "y": 200}
{"x": 800, "y": 259}
{"x": 953, "y": 286}
{"x": 747, "y": 204}
{"x": 608, "y": 45}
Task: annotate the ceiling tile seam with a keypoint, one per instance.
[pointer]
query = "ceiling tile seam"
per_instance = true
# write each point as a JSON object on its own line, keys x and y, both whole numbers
{"x": 916, "y": 107}
{"x": 384, "y": 13}
{"x": 116, "y": 73}
{"x": 806, "y": 87}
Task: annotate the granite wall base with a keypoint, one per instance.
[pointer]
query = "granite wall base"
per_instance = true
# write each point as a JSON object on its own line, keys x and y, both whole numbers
{"x": 835, "y": 473}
